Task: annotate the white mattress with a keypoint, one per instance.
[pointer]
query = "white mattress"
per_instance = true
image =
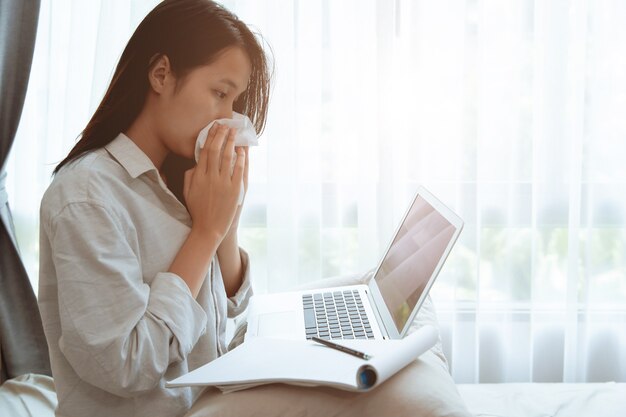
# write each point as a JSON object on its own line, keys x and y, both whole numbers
{"x": 543, "y": 400}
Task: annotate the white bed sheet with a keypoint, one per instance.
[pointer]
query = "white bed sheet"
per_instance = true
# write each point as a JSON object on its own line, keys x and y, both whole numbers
{"x": 542, "y": 400}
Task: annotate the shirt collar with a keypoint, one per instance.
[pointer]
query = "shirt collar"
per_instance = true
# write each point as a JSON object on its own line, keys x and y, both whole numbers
{"x": 128, "y": 154}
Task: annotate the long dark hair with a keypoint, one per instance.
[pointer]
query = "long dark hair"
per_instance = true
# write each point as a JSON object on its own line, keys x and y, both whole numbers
{"x": 191, "y": 33}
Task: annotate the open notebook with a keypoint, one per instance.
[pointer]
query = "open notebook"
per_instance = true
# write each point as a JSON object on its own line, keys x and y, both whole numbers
{"x": 261, "y": 361}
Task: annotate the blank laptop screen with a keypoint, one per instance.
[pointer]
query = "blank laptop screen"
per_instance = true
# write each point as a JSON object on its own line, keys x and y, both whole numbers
{"x": 412, "y": 258}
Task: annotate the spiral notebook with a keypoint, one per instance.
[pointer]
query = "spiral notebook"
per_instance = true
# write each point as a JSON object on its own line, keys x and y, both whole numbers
{"x": 261, "y": 361}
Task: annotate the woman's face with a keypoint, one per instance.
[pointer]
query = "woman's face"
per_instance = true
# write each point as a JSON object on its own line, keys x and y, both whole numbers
{"x": 205, "y": 94}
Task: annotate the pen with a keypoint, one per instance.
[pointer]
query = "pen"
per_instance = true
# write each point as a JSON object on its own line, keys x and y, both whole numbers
{"x": 342, "y": 348}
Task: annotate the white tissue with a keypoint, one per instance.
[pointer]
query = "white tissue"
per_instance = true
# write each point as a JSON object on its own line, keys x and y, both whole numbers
{"x": 246, "y": 136}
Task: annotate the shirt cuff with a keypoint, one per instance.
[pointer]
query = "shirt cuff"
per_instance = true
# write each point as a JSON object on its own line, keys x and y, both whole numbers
{"x": 239, "y": 302}
{"x": 172, "y": 302}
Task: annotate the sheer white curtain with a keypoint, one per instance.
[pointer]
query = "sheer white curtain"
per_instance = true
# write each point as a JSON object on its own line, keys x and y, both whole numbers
{"x": 513, "y": 113}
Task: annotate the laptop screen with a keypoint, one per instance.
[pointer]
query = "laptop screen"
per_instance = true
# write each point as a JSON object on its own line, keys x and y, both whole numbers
{"x": 412, "y": 258}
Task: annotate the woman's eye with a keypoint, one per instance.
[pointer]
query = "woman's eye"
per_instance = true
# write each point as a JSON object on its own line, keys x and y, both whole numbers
{"x": 220, "y": 94}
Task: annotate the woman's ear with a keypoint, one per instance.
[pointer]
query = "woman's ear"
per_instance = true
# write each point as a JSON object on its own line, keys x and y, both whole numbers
{"x": 159, "y": 72}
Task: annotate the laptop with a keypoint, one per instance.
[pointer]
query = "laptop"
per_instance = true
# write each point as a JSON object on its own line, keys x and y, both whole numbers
{"x": 383, "y": 309}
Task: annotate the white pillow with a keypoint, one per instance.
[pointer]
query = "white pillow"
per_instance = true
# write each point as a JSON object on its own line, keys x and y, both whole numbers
{"x": 28, "y": 395}
{"x": 423, "y": 388}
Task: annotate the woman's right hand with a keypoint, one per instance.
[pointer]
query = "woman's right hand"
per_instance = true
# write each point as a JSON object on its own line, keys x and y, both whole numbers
{"x": 210, "y": 191}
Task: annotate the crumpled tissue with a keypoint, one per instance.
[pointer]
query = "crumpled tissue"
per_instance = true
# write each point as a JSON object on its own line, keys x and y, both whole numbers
{"x": 246, "y": 136}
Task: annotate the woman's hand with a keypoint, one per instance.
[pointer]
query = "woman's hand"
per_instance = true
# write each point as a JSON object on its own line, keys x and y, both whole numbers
{"x": 210, "y": 191}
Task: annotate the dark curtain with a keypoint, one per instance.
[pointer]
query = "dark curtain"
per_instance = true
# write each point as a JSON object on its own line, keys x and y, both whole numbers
{"x": 22, "y": 341}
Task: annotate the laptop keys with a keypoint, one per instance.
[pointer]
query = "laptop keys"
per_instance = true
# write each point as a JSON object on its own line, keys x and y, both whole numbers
{"x": 336, "y": 315}
{"x": 309, "y": 318}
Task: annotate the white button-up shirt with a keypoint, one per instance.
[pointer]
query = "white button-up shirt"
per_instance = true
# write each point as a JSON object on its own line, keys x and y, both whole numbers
{"x": 118, "y": 326}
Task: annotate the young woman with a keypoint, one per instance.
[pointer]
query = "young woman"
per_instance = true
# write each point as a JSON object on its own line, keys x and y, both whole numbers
{"x": 139, "y": 261}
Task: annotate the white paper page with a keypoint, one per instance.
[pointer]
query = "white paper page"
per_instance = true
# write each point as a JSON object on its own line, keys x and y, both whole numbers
{"x": 260, "y": 361}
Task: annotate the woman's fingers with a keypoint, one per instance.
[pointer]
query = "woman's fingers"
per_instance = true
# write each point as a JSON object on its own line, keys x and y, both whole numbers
{"x": 221, "y": 158}
{"x": 203, "y": 159}
{"x": 240, "y": 166}
{"x": 229, "y": 153}
{"x": 215, "y": 149}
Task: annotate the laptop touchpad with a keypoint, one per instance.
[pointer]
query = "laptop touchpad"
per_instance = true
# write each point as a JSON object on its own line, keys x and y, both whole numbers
{"x": 283, "y": 324}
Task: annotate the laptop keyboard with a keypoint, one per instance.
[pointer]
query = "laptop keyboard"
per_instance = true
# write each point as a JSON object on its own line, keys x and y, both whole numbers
{"x": 336, "y": 315}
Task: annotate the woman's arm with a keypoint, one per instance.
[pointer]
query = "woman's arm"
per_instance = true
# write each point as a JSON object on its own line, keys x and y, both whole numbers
{"x": 193, "y": 259}
{"x": 230, "y": 263}
{"x": 119, "y": 332}
{"x": 228, "y": 253}
{"x": 211, "y": 194}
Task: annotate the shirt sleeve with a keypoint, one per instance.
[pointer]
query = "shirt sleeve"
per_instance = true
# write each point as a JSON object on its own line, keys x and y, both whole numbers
{"x": 239, "y": 302}
{"x": 119, "y": 333}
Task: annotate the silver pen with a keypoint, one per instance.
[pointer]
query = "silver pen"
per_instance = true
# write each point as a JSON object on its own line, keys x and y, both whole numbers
{"x": 342, "y": 348}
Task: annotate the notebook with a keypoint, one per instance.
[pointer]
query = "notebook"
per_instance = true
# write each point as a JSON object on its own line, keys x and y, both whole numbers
{"x": 385, "y": 307}
{"x": 261, "y": 361}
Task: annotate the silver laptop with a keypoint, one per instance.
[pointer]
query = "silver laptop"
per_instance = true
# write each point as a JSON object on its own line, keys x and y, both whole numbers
{"x": 383, "y": 309}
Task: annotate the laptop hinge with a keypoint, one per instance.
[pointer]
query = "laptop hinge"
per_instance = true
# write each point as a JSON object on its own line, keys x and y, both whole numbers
{"x": 381, "y": 325}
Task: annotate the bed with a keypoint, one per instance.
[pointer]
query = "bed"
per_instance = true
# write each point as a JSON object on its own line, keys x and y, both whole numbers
{"x": 34, "y": 395}
{"x": 541, "y": 400}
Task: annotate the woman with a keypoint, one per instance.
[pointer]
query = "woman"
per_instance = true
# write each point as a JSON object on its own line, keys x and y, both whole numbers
{"x": 140, "y": 267}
